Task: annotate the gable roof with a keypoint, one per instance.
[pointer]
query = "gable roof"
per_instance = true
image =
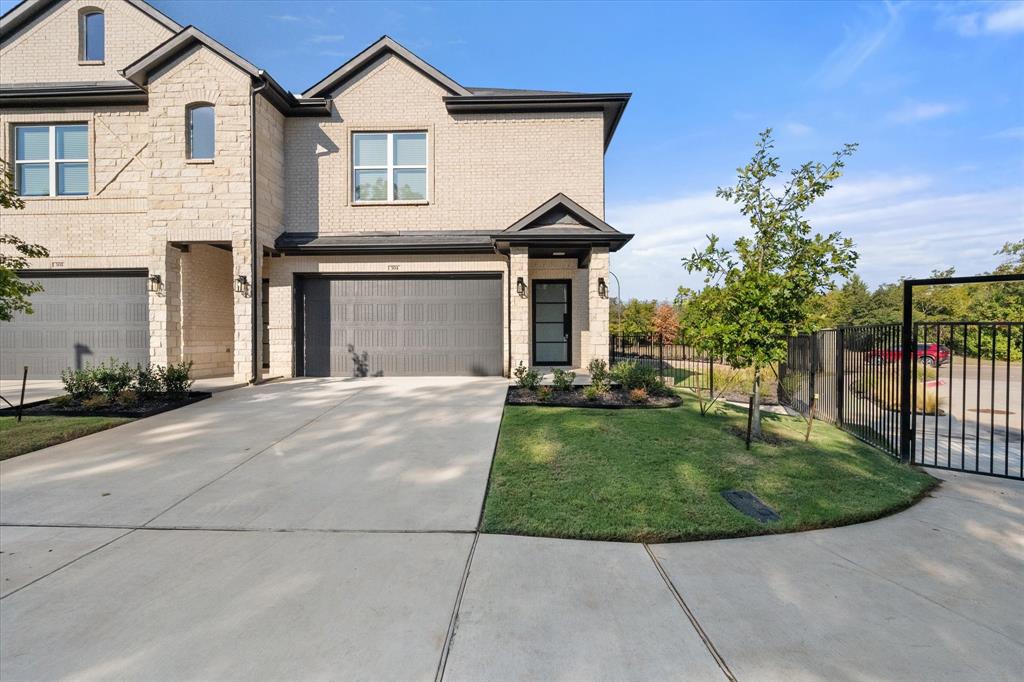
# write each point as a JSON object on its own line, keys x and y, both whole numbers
{"x": 27, "y": 11}
{"x": 560, "y": 214}
{"x": 383, "y": 45}
{"x": 141, "y": 70}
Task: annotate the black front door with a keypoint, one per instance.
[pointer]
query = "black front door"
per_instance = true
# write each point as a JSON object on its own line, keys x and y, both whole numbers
{"x": 552, "y": 322}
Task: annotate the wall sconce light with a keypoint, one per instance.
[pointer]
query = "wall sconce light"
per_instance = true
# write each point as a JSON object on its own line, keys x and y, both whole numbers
{"x": 156, "y": 284}
{"x": 242, "y": 285}
{"x": 602, "y": 288}
{"x": 521, "y": 287}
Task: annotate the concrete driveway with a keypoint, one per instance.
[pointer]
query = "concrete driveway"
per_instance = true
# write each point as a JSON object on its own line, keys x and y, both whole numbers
{"x": 324, "y": 529}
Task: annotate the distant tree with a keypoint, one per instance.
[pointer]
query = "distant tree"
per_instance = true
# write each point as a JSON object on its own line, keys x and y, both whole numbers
{"x": 665, "y": 323}
{"x": 14, "y": 255}
{"x": 763, "y": 288}
{"x": 637, "y": 317}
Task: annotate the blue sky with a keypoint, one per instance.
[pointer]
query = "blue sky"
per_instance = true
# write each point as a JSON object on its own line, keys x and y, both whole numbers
{"x": 933, "y": 92}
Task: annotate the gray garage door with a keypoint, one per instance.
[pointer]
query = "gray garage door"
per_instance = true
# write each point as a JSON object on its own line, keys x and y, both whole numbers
{"x": 78, "y": 319}
{"x": 404, "y": 326}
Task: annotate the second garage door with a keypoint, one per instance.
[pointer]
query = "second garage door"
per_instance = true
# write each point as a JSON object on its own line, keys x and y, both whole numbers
{"x": 401, "y": 326}
{"x": 79, "y": 319}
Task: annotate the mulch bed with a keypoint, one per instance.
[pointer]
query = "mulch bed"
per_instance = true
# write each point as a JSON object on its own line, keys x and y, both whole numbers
{"x": 616, "y": 398}
{"x": 47, "y": 408}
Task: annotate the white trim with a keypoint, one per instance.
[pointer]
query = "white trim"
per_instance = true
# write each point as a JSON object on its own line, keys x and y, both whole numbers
{"x": 52, "y": 161}
{"x": 390, "y": 167}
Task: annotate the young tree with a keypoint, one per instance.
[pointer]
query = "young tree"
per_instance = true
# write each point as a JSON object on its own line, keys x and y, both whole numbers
{"x": 637, "y": 317}
{"x": 14, "y": 292}
{"x": 665, "y": 323}
{"x": 763, "y": 288}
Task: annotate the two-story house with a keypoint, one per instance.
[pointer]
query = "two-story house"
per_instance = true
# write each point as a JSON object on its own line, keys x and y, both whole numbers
{"x": 387, "y": 220}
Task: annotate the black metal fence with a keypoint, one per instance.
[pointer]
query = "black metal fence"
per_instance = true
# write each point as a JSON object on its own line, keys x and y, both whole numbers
{"x": 966, "y": 399}
{"x": 677, "y": 360}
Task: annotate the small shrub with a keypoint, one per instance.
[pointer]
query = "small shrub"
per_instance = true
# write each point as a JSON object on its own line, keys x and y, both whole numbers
{"x": 128, "y": 398}
{"x": 599, "y": 376}
{"x": 526, "y": 377}
{"x": 113, "y": 377}
{"x": 176, "y": 379}
{"x": 96, "y": 402}
{"x": 635, "y": 375}
{"x": 563, "y": 380}
{"x": 62, "y": 401}
{"x": 80, "y": 384}
{"x": 592, "y": 392}
{"x": 544, "y": 393}
{"x": 638, "y": 395}
{"x": 147, "y": 382}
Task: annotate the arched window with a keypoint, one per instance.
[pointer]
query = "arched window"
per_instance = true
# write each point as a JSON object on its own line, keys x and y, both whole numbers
{"x": 91, "y": 35}
{"x": 200, "y": 121}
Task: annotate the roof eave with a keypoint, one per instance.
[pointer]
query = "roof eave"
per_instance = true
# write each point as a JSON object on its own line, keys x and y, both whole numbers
{"x": 72, "y": 95}
{"x": 611, "y": 104}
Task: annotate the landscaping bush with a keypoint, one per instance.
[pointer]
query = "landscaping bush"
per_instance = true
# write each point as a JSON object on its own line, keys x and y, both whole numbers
{"x": 113, "y": 377}
{"x": 544, "y": 393}
{"x": 592, "y": 392}
{"x": 633, "y": 375}
{"x": 176, "y": 379}
{"x": 96, "y": 402}
{"x": 147, "y": 382}
{"x": 637, "y": 395}
{"x": 526, "y": 377}
{"x": 129, "y": 398}
{"x": 80, "y": 384}
{"x": 563, "y": 380}
{"x": 599, "y": 377}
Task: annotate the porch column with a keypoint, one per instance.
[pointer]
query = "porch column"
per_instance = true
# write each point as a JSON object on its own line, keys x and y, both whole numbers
{"x": 243, "y": 308}
{"x": 519, "y": 307}
{"x": 165, "y": 306}
{"x": 598, "y": 305}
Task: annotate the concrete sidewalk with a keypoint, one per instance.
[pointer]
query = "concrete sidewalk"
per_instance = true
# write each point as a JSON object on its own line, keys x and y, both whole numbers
{"x": 323, "y": 529}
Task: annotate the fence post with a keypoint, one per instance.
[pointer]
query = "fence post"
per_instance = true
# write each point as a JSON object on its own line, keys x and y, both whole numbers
{"x": 812, "y": 375}
{"x": 906, "y": 362}
{"x": 840, "y": 374}
{"x": 661, "y": 357}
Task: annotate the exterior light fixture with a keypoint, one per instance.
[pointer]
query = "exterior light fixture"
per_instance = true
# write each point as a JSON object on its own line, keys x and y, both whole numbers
{"x": 156, "y": 284}
{"x": 521, "y": 287}
{"x": 602, "y": 287}
{"x": 242, "y": 285}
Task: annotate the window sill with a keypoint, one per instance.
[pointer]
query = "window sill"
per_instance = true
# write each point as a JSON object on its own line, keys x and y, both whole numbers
{"x": 58, "y": 197}
{"x": 417, "y": 202}
{"x": 199, "y": 162}
{"x": 91, "y": 62}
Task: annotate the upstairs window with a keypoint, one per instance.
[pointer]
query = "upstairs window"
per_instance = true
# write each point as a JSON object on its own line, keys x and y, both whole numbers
{"x": 389, "y": 167}
{"x": 92, "y": 35}
{"x": 200, "y": 121}
{"x": 51, "y": 160}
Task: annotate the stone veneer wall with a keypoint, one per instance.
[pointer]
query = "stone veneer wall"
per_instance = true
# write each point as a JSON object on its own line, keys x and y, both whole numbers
{"x": 207, "y": 304}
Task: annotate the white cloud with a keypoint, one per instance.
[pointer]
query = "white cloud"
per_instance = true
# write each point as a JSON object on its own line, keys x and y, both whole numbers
{"x": 798, "y": 129}
{"x": 913, "y": 112}
{"x": 285, "y": 17}
{"x": 856, "y": 48}
{"x": 321, "y": 39}
{"x": 902, "y": 225}
{"x": 997, "y": 18}
{"x": 1011, "y": 134}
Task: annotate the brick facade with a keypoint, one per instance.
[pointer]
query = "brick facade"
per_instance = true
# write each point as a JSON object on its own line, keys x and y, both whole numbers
{"x": 149, "y": 206}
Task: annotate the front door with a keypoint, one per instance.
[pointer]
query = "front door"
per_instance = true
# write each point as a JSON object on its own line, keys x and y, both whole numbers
{"x": 552, "y": 322}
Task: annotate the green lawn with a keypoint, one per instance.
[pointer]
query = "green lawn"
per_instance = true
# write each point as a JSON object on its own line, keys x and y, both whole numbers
{"x": 657, "y": 475}
{"x": 34, "y": 433}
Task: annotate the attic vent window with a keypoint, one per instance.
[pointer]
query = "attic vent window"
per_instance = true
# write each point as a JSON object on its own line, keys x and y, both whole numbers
{"x": 91, "y": 36}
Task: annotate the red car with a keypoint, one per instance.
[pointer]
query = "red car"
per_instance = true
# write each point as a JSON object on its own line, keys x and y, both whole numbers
{"x": 930, "y": 354}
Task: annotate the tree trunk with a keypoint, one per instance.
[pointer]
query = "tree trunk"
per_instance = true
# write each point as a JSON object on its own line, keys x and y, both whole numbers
{"x": 755, "y": 426}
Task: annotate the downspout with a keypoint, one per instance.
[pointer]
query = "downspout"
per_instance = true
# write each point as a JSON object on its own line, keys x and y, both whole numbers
{"x": 255, "y": 284}
{"x": 508, "y": 312}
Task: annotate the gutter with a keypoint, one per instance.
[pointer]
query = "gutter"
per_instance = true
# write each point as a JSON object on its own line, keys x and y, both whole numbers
{"x": 255, "y": 283}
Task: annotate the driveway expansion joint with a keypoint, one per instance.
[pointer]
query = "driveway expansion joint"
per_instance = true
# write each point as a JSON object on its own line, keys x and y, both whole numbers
{"x": 690, "y": 616}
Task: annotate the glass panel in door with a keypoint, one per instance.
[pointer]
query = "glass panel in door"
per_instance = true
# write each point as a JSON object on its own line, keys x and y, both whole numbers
{"x": 551, "y": 323}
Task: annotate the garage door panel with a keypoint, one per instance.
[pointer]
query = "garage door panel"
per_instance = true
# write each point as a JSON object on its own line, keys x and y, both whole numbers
{"x": 78, "y": 319}
{"x": 404, "y": 326}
